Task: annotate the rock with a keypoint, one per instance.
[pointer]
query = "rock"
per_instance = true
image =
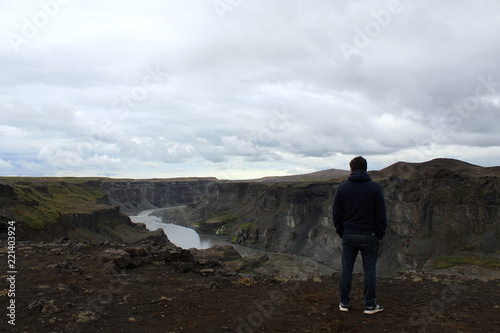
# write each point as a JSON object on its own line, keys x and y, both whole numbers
{"x": 63, "y": 239}
{"x": 135, "y": 262}
{"x": 236, "y": 265}
{"x": 178, "y": 255}
{"x": 86, "y": 317}
{"x": 218, "y": 253}
{"x": 136, "y": 251}
{"x": 76, "y": 249}
{"x": 36, "y": 305}
{"x": 121, "y": 258}
{"x": 147, "y": 260}
{"x": 207, "y": 271}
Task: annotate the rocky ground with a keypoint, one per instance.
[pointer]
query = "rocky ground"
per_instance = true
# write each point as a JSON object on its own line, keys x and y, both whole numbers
{"x": 79, "y": 287}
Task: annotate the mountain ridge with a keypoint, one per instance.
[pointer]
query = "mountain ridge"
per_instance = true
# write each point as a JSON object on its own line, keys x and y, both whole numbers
{"x": 400, "y": 168}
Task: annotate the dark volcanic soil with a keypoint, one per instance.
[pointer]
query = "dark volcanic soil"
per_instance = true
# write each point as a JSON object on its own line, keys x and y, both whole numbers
{"x": 69, "y": 287}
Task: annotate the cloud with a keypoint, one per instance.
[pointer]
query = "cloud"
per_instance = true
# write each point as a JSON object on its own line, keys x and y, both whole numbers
{"x": 166, "y": 89}
{"x": 6, "y": 167}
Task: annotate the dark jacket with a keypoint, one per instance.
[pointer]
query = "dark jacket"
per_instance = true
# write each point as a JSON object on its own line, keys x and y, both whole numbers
{"x": 359, "y": 206}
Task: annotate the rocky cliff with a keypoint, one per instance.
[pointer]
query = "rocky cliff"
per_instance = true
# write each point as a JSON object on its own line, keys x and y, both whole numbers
{"x": 135, "y": 195}
{"x": 105, "y": 224}
{"x": 435, "y": 209}
{"x": 439, "y": 212}
{"x": 442, "y": 207}
{"x": 48, "y": 209}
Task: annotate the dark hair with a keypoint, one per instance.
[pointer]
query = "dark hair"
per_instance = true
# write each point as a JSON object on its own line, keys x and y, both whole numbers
{"x": 358, "y": 163}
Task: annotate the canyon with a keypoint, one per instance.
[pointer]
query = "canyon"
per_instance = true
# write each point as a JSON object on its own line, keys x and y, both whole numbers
{"x": 439, "y": 212}
{"x": 85, "y": 267}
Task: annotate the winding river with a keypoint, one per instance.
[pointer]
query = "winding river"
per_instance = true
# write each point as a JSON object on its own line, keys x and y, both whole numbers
{"x": 188, "y": 238}
{"x": 183, "y": 237}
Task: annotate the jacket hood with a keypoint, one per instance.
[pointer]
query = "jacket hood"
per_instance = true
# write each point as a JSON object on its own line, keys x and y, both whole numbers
{"x": 359, "y": 176}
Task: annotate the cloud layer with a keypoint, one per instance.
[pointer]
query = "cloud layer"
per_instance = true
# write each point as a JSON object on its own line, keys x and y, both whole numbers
{"x": 242, "y": 89}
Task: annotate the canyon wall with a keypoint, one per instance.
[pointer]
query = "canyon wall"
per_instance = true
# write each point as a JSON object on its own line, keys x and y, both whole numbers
{"x": 441, "y": 207}
{"x": 436, "y": 209}
{"x": 133, "y": 196}
{"x": 49, "y": 209}
{"x": 106, "y": 224}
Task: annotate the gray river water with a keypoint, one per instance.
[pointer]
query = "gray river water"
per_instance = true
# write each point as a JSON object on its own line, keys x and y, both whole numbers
{"x": 183, "y": 237}
{"x": 188, "y": 238}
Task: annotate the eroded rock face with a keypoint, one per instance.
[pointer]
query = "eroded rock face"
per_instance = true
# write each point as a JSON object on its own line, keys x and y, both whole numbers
{"x": 431, "y": 212}
{"x": 106, "y": 224}
{"x": 434, "y": 208}
{"x": 292, "y": 218}
{"x": 138, "y": 195}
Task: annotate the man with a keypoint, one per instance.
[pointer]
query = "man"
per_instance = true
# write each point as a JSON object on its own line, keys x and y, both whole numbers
{"x": 359, "y": 217}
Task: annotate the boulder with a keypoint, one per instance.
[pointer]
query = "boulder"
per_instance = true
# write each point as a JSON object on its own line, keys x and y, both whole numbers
{"x": 178, "y": 255}
{"x": 120, "y": 257}
{"x": 218, "y": 253}
{"x": 137, "y": 251}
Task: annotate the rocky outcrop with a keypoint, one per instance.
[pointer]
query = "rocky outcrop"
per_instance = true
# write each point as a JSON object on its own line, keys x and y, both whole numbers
{"x": 443, "y": 212}
{"x": 107, "y": 224}
{"x": 277, "y": 265}
{"x": 137, "y": 195}
{"x": 46, "y": 209}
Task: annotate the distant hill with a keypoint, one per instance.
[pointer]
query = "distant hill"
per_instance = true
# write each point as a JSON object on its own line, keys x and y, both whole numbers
{"x": 318, "y": 176}
{"x": 402, "y": 169}
{"x": 399, "y": 169}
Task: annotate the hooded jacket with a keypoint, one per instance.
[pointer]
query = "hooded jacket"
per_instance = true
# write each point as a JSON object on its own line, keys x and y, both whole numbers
{"x": 359, "y": 206}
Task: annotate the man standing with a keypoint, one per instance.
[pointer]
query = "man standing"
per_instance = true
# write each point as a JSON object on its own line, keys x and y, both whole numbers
{"x": 359, "y": 217}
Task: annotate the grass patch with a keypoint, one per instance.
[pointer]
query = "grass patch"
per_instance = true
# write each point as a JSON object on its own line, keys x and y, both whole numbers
{"x": 227, "y": 220}
{"x": 39, "y": 203}
{"x": 222, "y": 218}
{"x": 450, "y": 261}
{"x": 246, "y": 226}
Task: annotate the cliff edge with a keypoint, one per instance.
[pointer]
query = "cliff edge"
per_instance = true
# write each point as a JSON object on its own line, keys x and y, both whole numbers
{"x": 48, "y": 209}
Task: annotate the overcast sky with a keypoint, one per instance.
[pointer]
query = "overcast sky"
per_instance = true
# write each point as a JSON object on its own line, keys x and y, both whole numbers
{"x": 245, "y": 88}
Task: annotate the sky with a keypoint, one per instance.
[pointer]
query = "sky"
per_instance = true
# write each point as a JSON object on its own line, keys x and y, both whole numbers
{"x": 241, "y": 89}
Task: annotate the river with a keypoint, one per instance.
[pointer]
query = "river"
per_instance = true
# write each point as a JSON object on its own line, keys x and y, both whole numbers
{"x": 188, "y": 238}
{"x": 183, "y": 237}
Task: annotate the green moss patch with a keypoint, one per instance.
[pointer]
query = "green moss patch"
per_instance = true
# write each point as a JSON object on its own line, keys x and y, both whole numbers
{"x": 41, "y": 202}
{"x": 450, "y": 261}
{"x": 222, "y": 223}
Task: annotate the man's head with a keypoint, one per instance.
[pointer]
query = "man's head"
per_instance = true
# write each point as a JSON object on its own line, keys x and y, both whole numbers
{"x": 358, "y": 163}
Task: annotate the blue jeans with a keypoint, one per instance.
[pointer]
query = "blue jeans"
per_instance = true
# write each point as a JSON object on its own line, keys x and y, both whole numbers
{"x": 351, "y": 245}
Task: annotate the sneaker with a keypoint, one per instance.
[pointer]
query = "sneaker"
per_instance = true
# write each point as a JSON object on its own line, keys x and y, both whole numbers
{"x": 373, "y": 309}
{"x": 343, "y": 308}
